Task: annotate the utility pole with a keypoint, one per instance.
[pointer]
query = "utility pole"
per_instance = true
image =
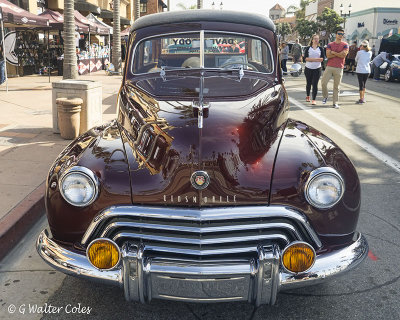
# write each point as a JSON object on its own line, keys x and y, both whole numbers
{"x": 199, "y": 4}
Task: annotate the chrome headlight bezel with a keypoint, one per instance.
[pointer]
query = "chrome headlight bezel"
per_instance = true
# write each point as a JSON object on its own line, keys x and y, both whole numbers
{"x": 88, "y": 174}
{"x": 328, "y": 171}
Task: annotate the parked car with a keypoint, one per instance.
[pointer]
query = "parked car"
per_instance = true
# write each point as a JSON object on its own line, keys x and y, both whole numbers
{"x": 203, "y": 189}
{"x": 391, "y": 71}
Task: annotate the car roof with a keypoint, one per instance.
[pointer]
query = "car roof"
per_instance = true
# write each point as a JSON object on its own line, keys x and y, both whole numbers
{"x": 172, "y": 17}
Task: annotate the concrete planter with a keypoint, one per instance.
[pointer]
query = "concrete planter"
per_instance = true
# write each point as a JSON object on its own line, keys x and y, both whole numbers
{"x": 91, "y": 94}
{"x": 69, "y": 117}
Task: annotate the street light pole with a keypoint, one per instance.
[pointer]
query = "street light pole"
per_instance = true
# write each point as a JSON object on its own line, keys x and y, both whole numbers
{"x": 344, "y": 14}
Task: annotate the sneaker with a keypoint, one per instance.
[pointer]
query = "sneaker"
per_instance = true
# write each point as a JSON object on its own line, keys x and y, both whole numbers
{"x": 314, "y": 102}
{"x": 336, "y": 106}
{"x": 308, "y": 99}
{"x": 324, "y": 100}
{"x": 363, "y": 100}
{"x": 360, "y": 101}
{"x": 376, "y": 79}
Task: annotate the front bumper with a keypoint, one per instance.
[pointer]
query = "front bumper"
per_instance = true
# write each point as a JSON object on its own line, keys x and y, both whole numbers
{"x": 257, "y": 280}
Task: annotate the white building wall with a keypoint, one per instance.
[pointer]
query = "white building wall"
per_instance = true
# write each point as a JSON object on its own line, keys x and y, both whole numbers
{"x": 373, "y": 25}
{"x": 312, "y": 9}
{"x": 358, "y": 5}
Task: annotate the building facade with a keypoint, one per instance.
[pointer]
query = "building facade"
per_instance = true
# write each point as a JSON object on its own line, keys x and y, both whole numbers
{"x": 277, "y": 12}
{"x": 373, "y": 24}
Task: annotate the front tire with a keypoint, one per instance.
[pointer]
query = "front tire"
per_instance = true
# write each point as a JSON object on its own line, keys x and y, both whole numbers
{"x": 388, "y": 75}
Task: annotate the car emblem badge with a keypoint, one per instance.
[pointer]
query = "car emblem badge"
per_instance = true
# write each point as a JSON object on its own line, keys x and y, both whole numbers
{"x": 200, "y": 180}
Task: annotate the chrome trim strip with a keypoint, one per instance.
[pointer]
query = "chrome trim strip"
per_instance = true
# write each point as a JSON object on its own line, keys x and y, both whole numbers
{"x": 272, "y": 225}
{"x": 201, "y": 49}
{"x": 198, "y": 241}
{"x": 217, "y": 214}
{"x": 202, "y": 252}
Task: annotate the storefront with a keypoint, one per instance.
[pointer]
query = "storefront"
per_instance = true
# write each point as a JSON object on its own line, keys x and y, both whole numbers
{"x": 373, "y": 24}
{"x": 25, "y": 43}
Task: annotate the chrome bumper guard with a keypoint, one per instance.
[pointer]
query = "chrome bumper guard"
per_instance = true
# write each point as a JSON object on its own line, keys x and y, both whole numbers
{"x": 257, "y": 281}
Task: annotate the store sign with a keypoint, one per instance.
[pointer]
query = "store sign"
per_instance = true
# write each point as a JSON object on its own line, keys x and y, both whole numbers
{"x": 360, "y": 25}
{"x": 390, "y": 22}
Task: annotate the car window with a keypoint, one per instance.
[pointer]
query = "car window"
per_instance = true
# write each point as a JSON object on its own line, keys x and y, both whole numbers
{"x": 234, "y": 51}
{"x": 172, "y": 51}
{"x": 221, "y": 50}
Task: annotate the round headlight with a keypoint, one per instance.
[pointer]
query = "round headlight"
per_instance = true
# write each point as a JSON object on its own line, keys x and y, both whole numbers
{"x": 298, "y": 257}
{"x": 324, "y": 188}
{"x": 104, "y": 254}
{"x": 79, "y": 186}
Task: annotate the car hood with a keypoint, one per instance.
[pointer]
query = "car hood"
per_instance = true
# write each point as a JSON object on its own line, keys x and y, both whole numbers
{"x": 236, "y": 147}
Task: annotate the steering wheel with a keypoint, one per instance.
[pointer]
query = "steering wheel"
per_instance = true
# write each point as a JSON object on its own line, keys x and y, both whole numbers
{"x": 239, "y": 62}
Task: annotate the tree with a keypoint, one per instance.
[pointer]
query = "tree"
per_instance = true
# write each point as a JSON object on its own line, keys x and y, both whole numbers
{"x": 307, "y": 28}
{"x": 330, "y": 21}
{"x": 301, "y": 12}
{"x": 137, "y": 9}
{"x": 116, "y": 49}
{"x": 183, "y": 7}
{"x": 283, "y": 29}
{"x": 70, "y": 64}
{"x": 199, "y": 4}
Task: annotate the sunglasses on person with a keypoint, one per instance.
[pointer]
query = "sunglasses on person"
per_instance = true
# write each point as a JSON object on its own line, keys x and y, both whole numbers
{"x": 340, "y": 33}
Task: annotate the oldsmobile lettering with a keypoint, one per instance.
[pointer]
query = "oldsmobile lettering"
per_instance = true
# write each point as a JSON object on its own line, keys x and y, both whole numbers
{"x": 193, "y": 199}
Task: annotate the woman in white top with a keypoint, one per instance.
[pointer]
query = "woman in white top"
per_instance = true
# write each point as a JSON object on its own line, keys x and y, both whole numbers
{"x": 313, "y": 55}
{"x": 363, "y": 69}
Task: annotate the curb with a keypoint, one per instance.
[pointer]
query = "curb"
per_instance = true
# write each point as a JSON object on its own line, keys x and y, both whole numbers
{"x": 15, "y": 224}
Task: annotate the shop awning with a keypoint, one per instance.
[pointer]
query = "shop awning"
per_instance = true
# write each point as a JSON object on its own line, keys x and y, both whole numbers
{"x": 15, "y": 16}
{"x": 94, "y": 28}
{"x": 125, "y": 32}
{"x": 101, "y": 26}
{"x": 55, "y": 18}
{"x": 107, "y": 14}
{"x": 83, "y": 5}
{"x": 161, "y": 3}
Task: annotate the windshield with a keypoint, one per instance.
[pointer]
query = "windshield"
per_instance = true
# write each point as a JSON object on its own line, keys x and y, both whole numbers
{"x": 221, "y": 51}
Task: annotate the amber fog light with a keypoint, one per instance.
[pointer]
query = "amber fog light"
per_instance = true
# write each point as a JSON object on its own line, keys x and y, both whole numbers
{"x": 104, "y": 254}
{"x": 298, "y": 257}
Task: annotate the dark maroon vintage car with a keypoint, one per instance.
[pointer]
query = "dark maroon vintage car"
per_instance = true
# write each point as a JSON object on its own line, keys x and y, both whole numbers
{"x": 203, "y": 189}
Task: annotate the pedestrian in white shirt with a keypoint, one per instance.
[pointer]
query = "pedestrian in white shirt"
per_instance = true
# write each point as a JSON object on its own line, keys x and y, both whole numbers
{"x": 363, "y": 69}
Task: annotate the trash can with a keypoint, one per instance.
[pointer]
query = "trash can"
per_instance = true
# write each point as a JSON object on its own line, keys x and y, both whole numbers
{"x": 69, "y": 117}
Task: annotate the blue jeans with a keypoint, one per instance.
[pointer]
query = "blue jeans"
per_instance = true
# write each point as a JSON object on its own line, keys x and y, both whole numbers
{"x": 376, "y": 71}
{"x": 2, "y": 72}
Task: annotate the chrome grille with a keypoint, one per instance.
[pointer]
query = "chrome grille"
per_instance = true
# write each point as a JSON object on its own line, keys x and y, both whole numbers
{"x": 202, "y": 232}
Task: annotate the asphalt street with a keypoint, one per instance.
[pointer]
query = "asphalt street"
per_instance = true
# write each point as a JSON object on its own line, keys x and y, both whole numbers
{"x": 370, "y": 136}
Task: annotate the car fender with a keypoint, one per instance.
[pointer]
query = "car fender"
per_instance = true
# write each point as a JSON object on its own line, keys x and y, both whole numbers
{"x": 302, "y": 150}
{"x": 101, "y": 151}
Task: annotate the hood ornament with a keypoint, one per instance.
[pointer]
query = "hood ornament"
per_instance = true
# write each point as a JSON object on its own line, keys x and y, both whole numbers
{"x": 200, "y": 180}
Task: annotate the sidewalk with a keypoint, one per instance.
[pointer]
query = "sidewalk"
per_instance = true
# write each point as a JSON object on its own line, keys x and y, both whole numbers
{"x": 28, "y": 146}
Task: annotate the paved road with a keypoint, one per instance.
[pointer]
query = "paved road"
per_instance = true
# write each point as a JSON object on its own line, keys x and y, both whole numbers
{"x": 370, "y": 292}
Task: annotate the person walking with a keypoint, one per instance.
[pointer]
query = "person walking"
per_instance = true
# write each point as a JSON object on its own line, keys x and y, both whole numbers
{"x": 373, "y": 51}
{"x": 313, "y": 55}
{"x": 284, "y": 55}
{"x": 296, "y": 51}
{"x": 336, "y": 53}
{"x": 351, "y": 62}
{"x": 377, "y": 62}
{"x": 363, "y": 69}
